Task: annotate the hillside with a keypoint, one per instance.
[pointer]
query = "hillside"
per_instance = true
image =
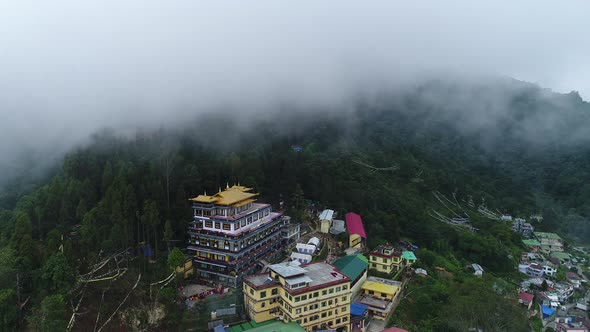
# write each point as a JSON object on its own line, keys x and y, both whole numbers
{"x": 508, "y": 145}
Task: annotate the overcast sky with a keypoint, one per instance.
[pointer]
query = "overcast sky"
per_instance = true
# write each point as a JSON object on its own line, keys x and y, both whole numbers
{"x": 68, "y": 68}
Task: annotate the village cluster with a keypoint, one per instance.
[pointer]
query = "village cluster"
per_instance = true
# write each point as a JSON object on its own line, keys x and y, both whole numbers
{"x": 300, "y": 277}
{"x": 553, "y": 294}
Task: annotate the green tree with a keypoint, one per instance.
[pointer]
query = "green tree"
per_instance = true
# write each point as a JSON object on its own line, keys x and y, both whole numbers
{"x": 53, "y": 313}
{"x": 175, "y": 258}
{"x": 151, "y": 219}
{"x": 8, "y": 310}
{"x": 58, "y": 273}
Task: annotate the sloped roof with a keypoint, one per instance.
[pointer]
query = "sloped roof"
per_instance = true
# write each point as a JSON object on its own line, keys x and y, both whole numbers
{"x": 409, "y": 255}
{"x": 229, "y": 196}
{"x": 526, "y": 297}
{"x": 352, "y": 266}
{"x": 354, "y": 224}
{"x": 326, "y": 215}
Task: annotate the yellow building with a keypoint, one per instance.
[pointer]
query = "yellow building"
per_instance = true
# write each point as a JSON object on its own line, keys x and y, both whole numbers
{"x": 326, "y": 220}
{"x": 386, "y": 258}
{"x": 356, "y": 231}
{"x": 380, "y": 295}
{"x": 316, "y": 296}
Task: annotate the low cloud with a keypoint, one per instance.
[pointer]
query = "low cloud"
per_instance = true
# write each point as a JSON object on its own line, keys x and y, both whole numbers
{"x": 70, "y": 68}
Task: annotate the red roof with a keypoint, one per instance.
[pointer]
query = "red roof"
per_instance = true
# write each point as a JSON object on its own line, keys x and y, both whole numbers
{"x": 526, "y": 297}
{"x": 355, "y": 224}
{"x": 394, "y": 329}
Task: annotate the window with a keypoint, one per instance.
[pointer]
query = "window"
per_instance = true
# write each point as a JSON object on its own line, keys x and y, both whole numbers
{"x": 251, "y": 291}
{"x": 274, "y": 291}
{"x": 298, "y": 311}
{"x": 316, "y": 294}
{"x": 338, "y": 289}
{"x": 226, "y": 227}
{"x": 344, "y": 298}
{"x": 263, "y": 304}
{"x": 297, "y": 299}
{"x": 343, "y": 309}
{"x": 217, "y": 225}
{"x": 337, "y": 320}
{"x": 323, "y": 315}
{"x": 209, "y": 224}
{"x": 263, "y": 294}
{"x": 373, "y": 265}
{"x": 303, "y": 297}
{"x": 383, "y": 295}
{"x": 371, "y": 292}
{"x": 237, "y": 225}
{"x": 323, "y": 304}
{"x": 345, "y": 287}
{"x": 324, "y": 292}
{"x": 331, "y": 290}
{"x": 384, "y": 260}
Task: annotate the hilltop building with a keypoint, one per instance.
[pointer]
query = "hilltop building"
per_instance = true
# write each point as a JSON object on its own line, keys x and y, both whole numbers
{"x": 522, "y": 227}
{"x": 315, "y": 296}
{"x": 230, "y": 233}
{"x": 356, "y": 230}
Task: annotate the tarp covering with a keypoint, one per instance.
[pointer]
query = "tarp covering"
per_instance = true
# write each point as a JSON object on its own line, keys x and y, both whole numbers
{"x": 547, "y": 311}
{"x": 357, "y": 309}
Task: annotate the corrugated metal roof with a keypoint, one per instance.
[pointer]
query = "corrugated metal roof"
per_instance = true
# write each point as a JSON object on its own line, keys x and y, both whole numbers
{"x": 354, "y": 224}
{"x": 379, "y": 287}
{"x": 327, "y": 215}
{"x": 409, "y": 255}
{"x": 352, "y": 266}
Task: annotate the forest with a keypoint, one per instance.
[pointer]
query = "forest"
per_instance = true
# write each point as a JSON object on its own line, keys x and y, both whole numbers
{"x": 522, "y": 155}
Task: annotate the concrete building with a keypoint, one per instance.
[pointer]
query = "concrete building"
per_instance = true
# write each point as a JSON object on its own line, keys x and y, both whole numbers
{"x": 316, "y": 296}
{"x": 290, "y": 233}
{"x": 386, "y": 258}
{"x": 230, "y": 233}
{"x": 379, "y": 295}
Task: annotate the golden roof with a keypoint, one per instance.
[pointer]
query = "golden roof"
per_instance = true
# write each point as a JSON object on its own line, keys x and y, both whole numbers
{"x": 379, "y": 287}
{"x": 238, "y": 195}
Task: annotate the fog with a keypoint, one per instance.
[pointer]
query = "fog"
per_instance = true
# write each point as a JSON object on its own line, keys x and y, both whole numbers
{"x": 70, "y": 68}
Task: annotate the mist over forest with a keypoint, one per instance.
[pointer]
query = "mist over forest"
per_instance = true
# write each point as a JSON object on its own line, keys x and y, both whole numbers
{"x": 113, "y": 114}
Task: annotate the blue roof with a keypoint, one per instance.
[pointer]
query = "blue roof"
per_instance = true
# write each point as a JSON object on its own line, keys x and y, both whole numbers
{"x": 547, "y": 311}
{"x": 219, "y": 328}
{"x": 357, "y": 309}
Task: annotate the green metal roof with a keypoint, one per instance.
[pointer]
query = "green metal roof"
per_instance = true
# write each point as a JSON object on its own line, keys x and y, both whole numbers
{"x": 352, "y": 266}
{"x": 409, "y": 255}
{"x": 531, "y": 242}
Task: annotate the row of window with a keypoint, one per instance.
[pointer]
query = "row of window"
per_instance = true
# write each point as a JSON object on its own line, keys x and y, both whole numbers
{"x": 238, "y": 224}
{"x": 313, "y": 318}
